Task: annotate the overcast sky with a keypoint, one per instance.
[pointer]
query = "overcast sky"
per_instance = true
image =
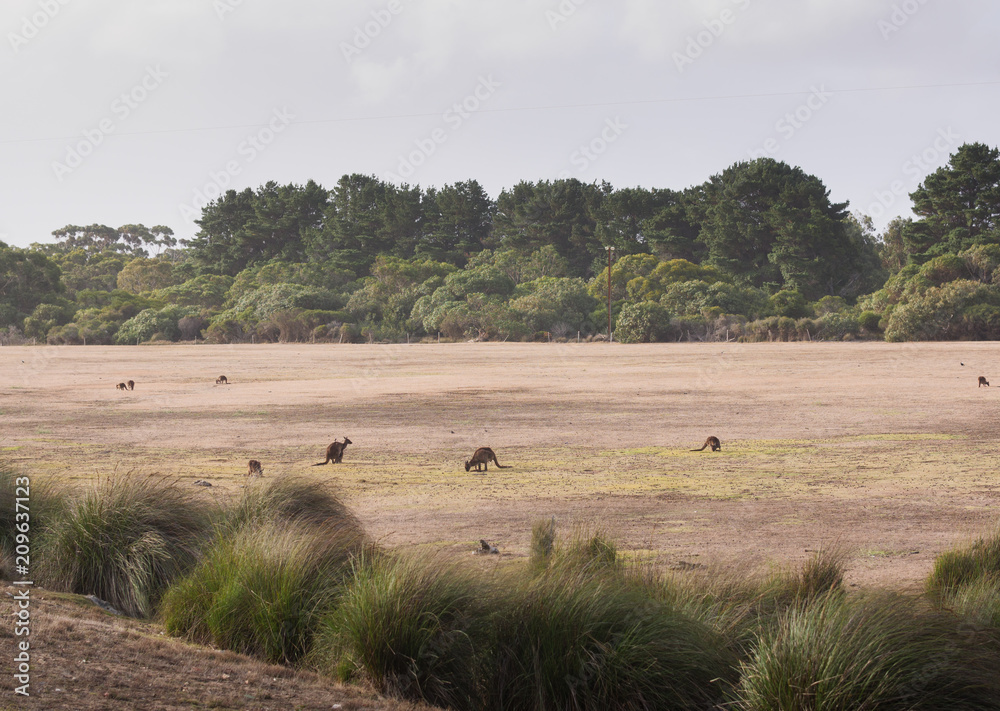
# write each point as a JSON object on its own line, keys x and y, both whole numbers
{"x": 121, "y": 112}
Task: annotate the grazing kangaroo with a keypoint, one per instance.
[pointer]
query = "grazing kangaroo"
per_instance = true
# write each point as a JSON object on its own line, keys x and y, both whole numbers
{"x": 983, "y": 381}
{"x": 131, "y": 385}
{"x": 335, "y": 452}
{"x": 255, "y": 469}
{"x": 121, "y": 386}
{"x": 712, "y": 442}
{"x": 483, "y": 456}
{"x": 222, "y": 380}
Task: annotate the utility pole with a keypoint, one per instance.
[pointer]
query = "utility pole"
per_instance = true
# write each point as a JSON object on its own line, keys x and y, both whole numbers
{"x": 610, "y": 250}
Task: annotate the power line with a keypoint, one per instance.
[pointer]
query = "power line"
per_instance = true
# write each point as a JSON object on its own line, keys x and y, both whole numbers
{"x": 518, "y": 109}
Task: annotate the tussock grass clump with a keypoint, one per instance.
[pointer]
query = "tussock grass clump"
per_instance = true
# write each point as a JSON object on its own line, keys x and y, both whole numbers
{"x": 290, "y": 499}
{"x": 260, "y": 590}
{"x": 978, "y": 602}
{"x": 741, "y": 605}
{"x": 43, "y": 505}
{"x": 413, "y": 628}
{"x": 543, "y": 541}
{"x": 570, "y": 640}
{"x": 587, "y": 552}
{"x": 823, "y": 573}
{"x": 840, "y": 653}
{"x": 958, "y": 568}
{"x": 124, "y": 540}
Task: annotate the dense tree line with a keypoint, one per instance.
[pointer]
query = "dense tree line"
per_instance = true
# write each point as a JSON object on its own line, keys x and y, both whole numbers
{"x": 759, "y": 251}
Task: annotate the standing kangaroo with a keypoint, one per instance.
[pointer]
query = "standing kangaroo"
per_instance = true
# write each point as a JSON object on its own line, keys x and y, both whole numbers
{"x": 983, "y": 381}
{"x": 222, "y": 380}
{"x": 483, "y": 456}
{"x": 254, "y": 468}
{"x": 335, "y": 452}
{"x": 121, "y": 386}
{"x": 131, "y": 385}
{"x": 712, "y": 442}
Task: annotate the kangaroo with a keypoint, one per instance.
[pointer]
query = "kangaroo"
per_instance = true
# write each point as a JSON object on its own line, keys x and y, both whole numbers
{"x": 335, "y": 452}
{"x": 255, "y": 469}
{"x": 121, "y": 386}
{"x": 483, "y": 456}
{"x": 222, "y": 380}
{"x": 131, "y": 385}
{"x": 712, "y": 442}
{"x": 983, "y": 381}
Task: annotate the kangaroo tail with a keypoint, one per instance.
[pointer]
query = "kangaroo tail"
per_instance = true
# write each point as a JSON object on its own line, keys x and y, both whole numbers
{"x": 319, "y": 464}
{"x": 701, "y": 449}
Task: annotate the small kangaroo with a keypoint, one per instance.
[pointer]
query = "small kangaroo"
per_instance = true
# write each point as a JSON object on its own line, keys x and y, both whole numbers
{"x": 121, "y": 386}
{"x": 712, "y": 442}
{"x": 222, "y": 380}
{"x": 983, "y": 381}
{"x": 335, "y": 452}
{"x": 254, "y": 468}
{"x": 483, "y": 456}
{"x": 131, "y": 385}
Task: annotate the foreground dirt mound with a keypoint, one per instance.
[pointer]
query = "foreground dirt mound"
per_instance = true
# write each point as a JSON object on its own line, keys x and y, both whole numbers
{"x": 84, "y": 659}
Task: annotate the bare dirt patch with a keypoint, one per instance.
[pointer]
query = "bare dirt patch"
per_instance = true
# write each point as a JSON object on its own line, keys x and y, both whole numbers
{"x": 84, "y": 659}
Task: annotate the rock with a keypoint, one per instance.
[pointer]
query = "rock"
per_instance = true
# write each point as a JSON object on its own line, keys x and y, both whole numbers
{"x": 102, "y": 604}
{"x": 202, "y": 482}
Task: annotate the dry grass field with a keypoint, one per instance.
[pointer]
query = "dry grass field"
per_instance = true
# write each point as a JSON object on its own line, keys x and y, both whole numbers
{"x": 890, "y": 451}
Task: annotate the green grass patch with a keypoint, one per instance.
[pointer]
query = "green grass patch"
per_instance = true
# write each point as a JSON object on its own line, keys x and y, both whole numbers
{"x": 869, "y": 653}
{"x": 960, "y": 567}
{"x": 261, "y": 589}
{"x": 123, "y": 539}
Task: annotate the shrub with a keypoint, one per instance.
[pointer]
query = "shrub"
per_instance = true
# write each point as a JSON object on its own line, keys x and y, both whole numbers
{"x": 789, "y": 303}
{"x": 124, "y": 540}
{"x": 869, "y": 321}
{"x": 644, "y": 322}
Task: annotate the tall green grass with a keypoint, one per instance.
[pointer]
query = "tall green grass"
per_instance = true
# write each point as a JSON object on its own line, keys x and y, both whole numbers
{"x": 868, "y": 653}
{"x": 261, "y": 589}
{"x": 412, "y": 627}
{"x": 43, "y": 504}
{"x": 573, "y": 637}
{"x": 586, "y": 640}
{"x": 124, "y": 540}
{"x": 290, "y": 499}
{"x": 543, "y": 541}
{"x": 963, "y": 566}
